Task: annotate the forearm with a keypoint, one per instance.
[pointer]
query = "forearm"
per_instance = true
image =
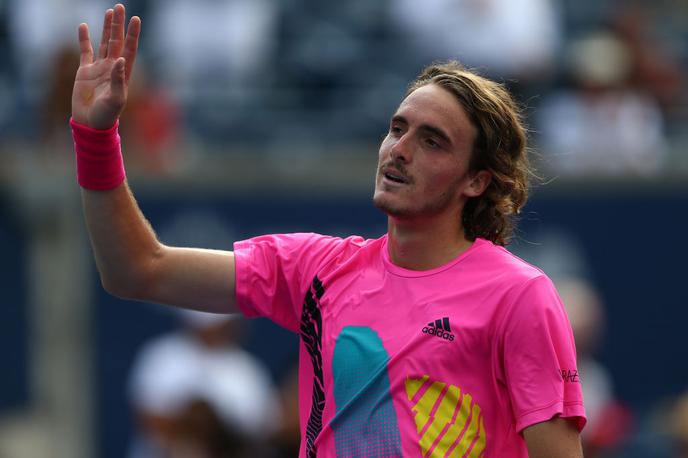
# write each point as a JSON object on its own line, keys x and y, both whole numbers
{"x": 133, "y": 264}
{"x": 123, "y": 241}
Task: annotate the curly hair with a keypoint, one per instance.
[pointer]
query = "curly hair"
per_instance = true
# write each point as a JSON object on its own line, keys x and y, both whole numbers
{"x": 500, "y": 148}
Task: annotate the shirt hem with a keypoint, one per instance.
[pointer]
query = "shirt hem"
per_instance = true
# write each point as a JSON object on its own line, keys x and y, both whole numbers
{"x": 571, "y": 409}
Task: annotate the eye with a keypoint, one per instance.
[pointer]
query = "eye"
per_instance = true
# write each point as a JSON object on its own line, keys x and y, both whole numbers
{"x": 395, "y": 129}
{"x": 432, "y": 143}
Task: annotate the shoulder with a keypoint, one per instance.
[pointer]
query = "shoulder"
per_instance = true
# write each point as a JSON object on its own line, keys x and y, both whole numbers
{"x": 529, "y": 297}
{"x": 301, "y": 241}
{"x": 524, "y": 289}
{"x": 308, "y": 248}
{"x": 504, "y": 266}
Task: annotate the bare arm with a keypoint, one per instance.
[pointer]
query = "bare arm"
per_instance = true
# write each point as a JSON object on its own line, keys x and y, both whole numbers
{"x": 131, "y": 261}
{"x": 556, "y": 438}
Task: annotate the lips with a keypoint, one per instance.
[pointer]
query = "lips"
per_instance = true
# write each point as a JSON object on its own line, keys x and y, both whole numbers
{"x": 395, "y": 175}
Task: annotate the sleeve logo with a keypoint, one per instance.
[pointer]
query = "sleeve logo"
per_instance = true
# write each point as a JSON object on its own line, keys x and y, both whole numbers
{"x": 570, "y": 375}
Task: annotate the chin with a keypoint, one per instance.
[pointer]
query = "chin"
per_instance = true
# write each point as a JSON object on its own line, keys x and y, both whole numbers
{"x": 389, "y": 208}
{"x": 404, "y": 211}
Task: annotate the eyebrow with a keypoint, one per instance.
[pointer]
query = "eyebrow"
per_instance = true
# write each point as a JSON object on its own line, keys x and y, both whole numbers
{"x": 426, "y": 128}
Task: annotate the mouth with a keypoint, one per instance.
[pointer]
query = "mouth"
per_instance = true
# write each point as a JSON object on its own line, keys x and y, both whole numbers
{"x": 394, "y": 176}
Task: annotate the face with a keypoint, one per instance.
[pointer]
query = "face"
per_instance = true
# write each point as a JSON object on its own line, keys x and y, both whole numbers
{"x": 423, "y": 164}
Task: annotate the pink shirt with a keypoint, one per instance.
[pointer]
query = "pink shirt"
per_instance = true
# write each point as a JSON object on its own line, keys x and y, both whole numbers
{"x": 450, "y": 362}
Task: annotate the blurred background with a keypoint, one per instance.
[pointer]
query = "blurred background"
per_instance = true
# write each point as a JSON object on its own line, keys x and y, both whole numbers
{"x": 259, "y": 116}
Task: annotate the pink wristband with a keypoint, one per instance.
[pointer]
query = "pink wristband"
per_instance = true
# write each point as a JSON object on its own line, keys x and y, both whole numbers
{"x": 99, "y": 164}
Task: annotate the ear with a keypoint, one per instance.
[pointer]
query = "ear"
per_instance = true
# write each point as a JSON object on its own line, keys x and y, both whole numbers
{"x": 478, "y": 184}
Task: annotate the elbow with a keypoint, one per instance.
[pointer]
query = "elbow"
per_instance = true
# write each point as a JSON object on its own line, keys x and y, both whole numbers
{"x": 133, "y": 282}
{"x": 111, "y": 287}
{"x": 117, "y": 286}
{"x": 122, "y": 286}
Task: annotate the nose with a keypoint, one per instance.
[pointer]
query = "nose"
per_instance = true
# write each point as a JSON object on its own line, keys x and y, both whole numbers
{"x": 401, "y": 150}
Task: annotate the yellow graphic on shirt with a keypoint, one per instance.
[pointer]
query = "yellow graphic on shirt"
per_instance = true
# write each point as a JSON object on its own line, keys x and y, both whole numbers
{"x": 449, "y": 423}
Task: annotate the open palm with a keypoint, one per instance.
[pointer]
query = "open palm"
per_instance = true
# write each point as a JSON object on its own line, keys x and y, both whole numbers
{"x": 100, "y": 87}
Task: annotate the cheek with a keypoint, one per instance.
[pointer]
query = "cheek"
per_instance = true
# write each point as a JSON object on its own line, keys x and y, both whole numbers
{"x": 443, "y": 181}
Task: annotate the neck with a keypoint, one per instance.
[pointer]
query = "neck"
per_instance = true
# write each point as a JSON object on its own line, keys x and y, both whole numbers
{"x": 425, "y": 245}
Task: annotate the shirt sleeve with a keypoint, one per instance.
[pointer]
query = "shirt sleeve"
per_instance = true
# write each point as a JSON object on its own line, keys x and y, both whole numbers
{"x": 539, "y": 358}
{"x": 274, "y": 272}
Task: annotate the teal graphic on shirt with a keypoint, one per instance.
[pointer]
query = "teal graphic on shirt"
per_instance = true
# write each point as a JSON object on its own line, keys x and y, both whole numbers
{"x": 365, "y": 424}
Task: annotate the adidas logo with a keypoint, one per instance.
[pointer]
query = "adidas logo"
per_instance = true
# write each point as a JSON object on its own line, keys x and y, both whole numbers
{"x": 439, "y": 328}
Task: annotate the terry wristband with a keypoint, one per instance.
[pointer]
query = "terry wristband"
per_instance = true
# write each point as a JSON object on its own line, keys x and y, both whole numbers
{"x": 99, "y": 164}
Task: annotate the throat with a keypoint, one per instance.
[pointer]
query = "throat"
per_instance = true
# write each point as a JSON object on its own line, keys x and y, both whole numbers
{"x": 424, "y": 250}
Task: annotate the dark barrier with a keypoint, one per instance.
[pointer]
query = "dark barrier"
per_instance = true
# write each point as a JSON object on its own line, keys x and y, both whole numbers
{"x": 14, "y": 316}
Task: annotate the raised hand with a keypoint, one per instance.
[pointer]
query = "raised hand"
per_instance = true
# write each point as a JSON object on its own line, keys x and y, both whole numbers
{"x": 100, "y": 87}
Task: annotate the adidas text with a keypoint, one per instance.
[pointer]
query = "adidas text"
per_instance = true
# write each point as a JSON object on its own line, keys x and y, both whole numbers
{"x": 438, "y": 333}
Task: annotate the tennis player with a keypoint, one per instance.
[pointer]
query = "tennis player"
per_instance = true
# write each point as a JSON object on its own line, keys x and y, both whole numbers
{"x": 430, "y": 341}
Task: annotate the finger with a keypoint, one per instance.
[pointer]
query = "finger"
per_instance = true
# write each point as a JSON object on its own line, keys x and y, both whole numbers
{"x": 105, "y": 36}
{"x": 117, "y": 79}
{"x": 85, "y": 48}
{"x": 131, "y": 45}
{"x": 116, "y": 32}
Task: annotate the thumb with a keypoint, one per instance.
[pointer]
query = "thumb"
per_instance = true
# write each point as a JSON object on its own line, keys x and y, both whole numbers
{"x": 117, "y": 79}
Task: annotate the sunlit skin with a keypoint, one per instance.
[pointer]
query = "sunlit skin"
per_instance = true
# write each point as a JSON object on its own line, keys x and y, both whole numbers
{"x": 423, "y": 179}
{"x": 101, "y": 83}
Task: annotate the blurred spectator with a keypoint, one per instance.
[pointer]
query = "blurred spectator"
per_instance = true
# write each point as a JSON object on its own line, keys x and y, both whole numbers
{"x": 215, "y": 57}
{"x": 211, "y": 47}
{"x": 329, "y": 47}
{"x": 150, "y": 126}
{"x": 601, "y": 125}
{"x": 656, "y": 65}
{"x": 609, "y": 421}
{"x": 507, "y": 38}
{"x": 57, "y": 102}
{"x": 197, "y": 394}
{"x": 331, "y": 61}
{"x": 40, "y": 29}
{"x": 39, "y": 32}
{"x": 656, "y": 59}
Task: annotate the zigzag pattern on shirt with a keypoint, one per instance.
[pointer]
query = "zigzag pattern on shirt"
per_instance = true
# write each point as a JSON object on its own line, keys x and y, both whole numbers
{"x": 449, "y": 422}
{"x": 311, "y": 336}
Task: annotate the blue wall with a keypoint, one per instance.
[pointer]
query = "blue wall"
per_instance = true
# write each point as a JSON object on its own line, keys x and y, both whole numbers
{"x": 14, "y": 319}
